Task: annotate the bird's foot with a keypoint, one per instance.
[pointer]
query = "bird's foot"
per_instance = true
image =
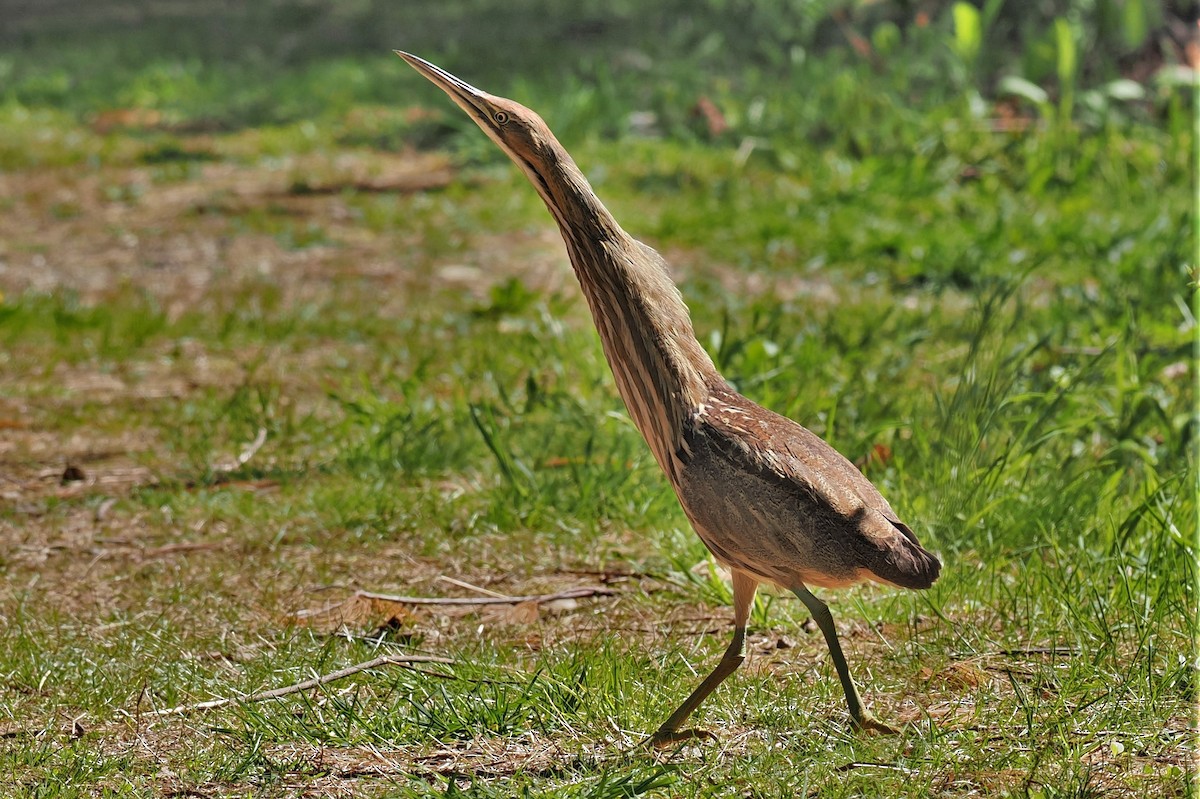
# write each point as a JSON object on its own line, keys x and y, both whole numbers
{"x": 664, "y": 738}
{"x": 869, "y": 722}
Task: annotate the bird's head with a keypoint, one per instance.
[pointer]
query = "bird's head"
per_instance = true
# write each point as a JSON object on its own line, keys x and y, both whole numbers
{"x": 518, "y": 131}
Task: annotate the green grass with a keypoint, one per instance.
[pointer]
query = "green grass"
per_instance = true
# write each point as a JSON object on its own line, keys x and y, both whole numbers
{"x": 1005, "y": 318}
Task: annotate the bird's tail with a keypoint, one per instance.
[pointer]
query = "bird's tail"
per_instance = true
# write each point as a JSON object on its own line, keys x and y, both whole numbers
{"x": 906, "y": 563}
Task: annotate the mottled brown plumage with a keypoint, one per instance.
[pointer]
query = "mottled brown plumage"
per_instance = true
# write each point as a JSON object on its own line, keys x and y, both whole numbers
{"x": 750, "y": 467}
{"x": 769, "y": 499}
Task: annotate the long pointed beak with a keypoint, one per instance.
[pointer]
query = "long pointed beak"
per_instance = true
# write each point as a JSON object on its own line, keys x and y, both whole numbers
{"x": 470, "y": 99}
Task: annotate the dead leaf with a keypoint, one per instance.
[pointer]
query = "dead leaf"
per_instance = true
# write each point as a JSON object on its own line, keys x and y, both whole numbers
{"x": 860, "y": 45}
{"x": 880, "y": 455}
{"x": 962, "y": 674}
{"x": 707, "y": 110}
{"x": 523, "y": 612}
{"x": 357, "y": 611}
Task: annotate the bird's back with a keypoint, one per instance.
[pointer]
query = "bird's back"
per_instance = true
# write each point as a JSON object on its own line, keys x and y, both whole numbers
{"x": 769, "y": 497}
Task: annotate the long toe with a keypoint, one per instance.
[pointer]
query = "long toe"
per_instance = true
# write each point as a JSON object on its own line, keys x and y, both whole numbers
{"x": 869, "y": 722}
{"x": 664, "y": 738}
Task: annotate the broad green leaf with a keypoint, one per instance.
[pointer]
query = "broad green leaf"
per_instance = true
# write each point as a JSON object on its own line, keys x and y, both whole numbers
{"x": 1064, "y": 40}
{"x": 1124, "y": 89}
{"x": 886, "y": 37}
{"x": 1133, "y": 23}
{"x": 1177, "y": 75}
{"x": 1027, "y": 90}
{"x": 968, "y": 32}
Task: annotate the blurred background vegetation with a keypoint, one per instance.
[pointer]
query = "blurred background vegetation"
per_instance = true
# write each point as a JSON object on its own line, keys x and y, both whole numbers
{"x": 771, "y": 67}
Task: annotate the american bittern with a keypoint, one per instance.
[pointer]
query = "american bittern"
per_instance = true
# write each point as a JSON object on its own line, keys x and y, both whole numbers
{"x": 769, "y": 499}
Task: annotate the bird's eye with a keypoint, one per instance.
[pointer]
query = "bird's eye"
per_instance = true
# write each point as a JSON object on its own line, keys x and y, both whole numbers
{"x": 501, "y": 117}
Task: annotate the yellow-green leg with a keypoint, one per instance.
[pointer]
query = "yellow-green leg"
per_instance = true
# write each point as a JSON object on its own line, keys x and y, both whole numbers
{"x": 744, "y": 587}
{"x": 824, "y": 619}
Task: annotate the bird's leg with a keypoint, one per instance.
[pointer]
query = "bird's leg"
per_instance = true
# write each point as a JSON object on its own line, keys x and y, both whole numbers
{"x": 824, "y": 619}
{"x": 744, "y": 587}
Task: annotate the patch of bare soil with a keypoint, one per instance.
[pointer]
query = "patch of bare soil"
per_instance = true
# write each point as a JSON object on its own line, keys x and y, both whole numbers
{"x": 179, "y": 237}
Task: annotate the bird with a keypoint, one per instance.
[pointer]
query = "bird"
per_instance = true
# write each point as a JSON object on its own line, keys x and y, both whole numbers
{"x": 771, "y": 501}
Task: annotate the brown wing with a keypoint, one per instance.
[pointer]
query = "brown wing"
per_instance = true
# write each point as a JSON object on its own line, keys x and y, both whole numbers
{"x": 774, "y": 499}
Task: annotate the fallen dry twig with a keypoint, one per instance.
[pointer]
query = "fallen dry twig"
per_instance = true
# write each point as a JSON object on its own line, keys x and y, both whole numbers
{"x": 885, "y": 766}
{"x": 388, "y": 609}
{"x": 470, "y": 586}
{"x": 248, "y": 452}
{"x": 275, "y": 693}
{"x": 359, "y": 597}
{"x": 570, "y": 593}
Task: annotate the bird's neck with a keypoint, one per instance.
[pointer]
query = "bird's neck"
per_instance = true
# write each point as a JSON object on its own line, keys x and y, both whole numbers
{"x": 661, "y": 370}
